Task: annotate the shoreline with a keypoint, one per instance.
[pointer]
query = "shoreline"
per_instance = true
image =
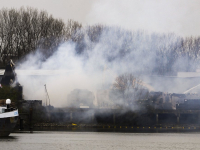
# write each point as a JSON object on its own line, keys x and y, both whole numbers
{"x": 107, "y": 128}
{"x": 159, "y": 126}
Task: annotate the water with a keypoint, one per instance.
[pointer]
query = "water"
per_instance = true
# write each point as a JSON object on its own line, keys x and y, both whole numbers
{"x": 57, "y": 140}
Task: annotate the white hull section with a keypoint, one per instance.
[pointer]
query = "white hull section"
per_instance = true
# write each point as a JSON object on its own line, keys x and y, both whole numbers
{"x": 13, "y": 113}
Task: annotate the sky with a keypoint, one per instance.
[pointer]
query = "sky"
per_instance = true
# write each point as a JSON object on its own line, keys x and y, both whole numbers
{"x": 164, "y": 16}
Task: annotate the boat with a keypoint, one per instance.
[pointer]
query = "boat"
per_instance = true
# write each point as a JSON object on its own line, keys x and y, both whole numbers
{"x": 8, "y": 119}
{"x": 9, "y": 115}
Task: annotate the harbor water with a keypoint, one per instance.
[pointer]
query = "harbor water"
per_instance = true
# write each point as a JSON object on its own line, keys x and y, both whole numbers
{"x": 69, "y": 140}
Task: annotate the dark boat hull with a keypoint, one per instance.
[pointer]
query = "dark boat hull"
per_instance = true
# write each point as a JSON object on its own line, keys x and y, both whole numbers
{"x": 7, "y": 125}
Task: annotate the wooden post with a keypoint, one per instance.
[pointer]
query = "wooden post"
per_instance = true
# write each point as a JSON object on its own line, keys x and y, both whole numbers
{"x": 156, "y": 118}
{"x": 178, "y": 118}
{"x": 71, "y": 116}
{"x": 30, "y": 120}
{"x": 21, "y": 126}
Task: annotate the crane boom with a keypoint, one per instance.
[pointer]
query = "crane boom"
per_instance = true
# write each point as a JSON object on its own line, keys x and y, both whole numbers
{"x": 47, "y": 95}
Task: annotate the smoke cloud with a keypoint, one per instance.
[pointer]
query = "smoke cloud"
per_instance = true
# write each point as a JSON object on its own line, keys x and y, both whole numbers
{"x": 116, "y": 52}
{"x": 96, "y": 68}
{"x": 174, "y": 16}
{"x": 71, "y": 73}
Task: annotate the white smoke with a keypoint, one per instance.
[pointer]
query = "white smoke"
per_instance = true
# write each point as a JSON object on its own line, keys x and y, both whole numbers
{"x": 96, "y": 68}
{"x": 91, "y": 70}
{"x": 72, "y": 73}
{"x": 162, "y": 16}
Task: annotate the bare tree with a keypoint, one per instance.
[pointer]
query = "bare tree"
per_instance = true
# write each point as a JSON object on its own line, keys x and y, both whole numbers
{"x": 26, "y": 29}
{"x": 128, "y": 85}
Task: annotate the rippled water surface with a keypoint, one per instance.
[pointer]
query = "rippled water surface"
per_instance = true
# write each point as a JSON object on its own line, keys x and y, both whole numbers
{"x": 48, "y": 140}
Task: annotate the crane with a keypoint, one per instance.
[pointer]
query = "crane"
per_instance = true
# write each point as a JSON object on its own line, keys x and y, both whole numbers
{"x": 47, "y": 95}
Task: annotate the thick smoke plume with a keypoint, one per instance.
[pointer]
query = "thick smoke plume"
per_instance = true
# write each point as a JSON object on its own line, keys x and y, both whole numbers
{"x": 74, "y": 73}
{"x": 96, "y": 68}
{"x": 95, "y": 61}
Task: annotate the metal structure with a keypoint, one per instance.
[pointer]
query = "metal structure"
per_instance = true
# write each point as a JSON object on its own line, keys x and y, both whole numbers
{"x": 47, "y": 95}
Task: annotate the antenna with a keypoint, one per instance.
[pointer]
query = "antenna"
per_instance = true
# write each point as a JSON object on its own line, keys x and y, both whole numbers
{"x": 191, "y": 89}
{"x": 47, "y": 95}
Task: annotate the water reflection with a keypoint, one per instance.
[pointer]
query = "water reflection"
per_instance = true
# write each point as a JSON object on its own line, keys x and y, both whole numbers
{"x": 98, "y": 139}
{"x": 8, "y": 139}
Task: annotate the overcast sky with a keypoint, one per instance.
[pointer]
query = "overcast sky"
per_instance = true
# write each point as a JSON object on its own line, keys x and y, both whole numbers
{"x": 164, "y": 16}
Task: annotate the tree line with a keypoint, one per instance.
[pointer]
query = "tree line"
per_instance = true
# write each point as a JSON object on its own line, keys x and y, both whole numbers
{"x": 26, "y": 30}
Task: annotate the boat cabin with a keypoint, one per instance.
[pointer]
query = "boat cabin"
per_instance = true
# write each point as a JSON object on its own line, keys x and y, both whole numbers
{"x": 2, "y": 109}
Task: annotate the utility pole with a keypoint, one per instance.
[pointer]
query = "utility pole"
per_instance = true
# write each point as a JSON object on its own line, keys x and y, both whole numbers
{"x": 47, "y": 95}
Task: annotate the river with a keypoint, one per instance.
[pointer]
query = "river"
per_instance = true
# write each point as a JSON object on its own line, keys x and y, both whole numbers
{"x": 69, "y": 140}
